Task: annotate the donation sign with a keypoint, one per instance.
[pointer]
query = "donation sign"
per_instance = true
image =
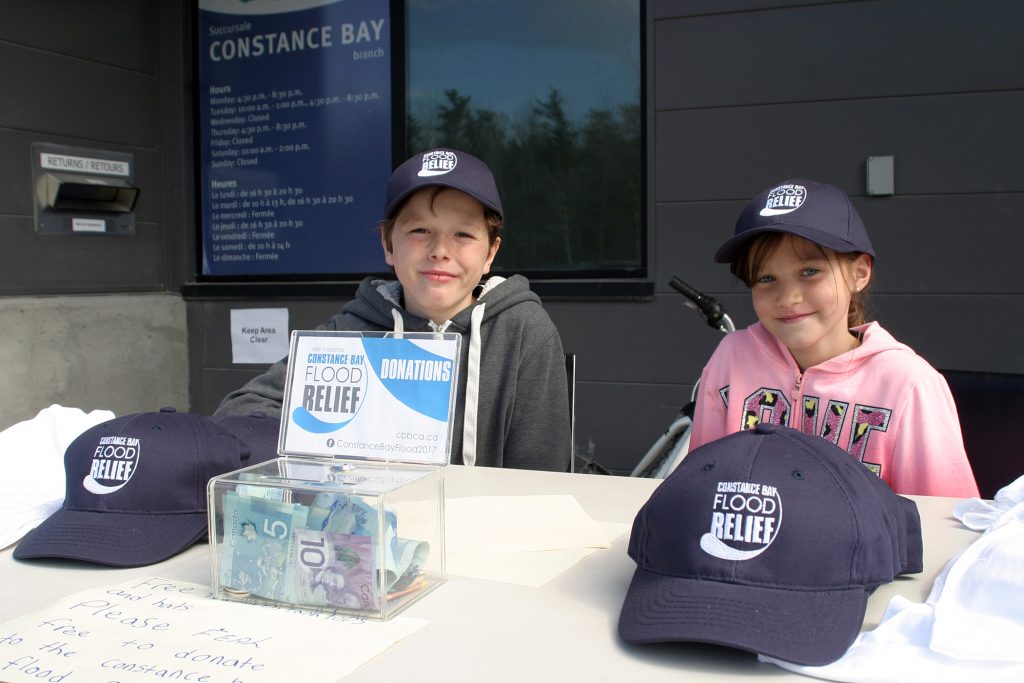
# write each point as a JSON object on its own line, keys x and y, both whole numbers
{"x": 294, "y": 101}
{"x": 371, "y": 395}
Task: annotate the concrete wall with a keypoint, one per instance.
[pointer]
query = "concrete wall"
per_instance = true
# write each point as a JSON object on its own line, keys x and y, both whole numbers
{"x": 124, "y": 353}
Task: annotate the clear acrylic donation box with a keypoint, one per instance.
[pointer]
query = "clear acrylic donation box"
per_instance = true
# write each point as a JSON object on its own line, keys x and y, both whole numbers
{"x": 350, "y": 517}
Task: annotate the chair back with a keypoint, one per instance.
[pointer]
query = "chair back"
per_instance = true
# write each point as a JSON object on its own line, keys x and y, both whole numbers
{"x": 570, "y": 376}
{"x": 989, "y": 404}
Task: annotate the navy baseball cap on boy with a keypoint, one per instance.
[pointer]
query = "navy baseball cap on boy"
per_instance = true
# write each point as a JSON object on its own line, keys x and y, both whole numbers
{"x": 447, "y": 168}
{"x": 767, "y": 540}
{"x": 135, "y": 490}
{"x": 815, "y": 211}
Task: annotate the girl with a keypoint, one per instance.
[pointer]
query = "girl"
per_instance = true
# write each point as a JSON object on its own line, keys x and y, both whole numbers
{"x": 812, "y": 363}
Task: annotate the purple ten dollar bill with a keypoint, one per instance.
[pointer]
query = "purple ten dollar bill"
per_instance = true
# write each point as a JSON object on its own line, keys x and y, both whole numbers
{"x": 335, "y": 570}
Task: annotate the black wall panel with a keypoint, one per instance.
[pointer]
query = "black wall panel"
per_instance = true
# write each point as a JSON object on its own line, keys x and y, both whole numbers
{"x": 114, "y": 32}
{"x": 852, "y": 50}
{"x": 942, "y": 144}
{"x": 78, "y": 97}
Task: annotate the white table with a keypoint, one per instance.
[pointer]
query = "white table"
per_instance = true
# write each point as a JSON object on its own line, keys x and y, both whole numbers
{"x": 488, "y": 631}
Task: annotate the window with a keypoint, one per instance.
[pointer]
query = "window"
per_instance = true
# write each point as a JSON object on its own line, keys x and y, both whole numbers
{"x": 549, "y": 95}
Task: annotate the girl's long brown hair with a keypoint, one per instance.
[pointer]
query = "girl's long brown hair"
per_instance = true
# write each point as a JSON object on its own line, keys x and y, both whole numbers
{"x": 760, "y": 249}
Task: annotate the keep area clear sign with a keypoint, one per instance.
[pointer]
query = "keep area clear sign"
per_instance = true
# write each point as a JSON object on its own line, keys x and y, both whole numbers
{"x": 295, "y": 125}
{"x": 377, "y": 396}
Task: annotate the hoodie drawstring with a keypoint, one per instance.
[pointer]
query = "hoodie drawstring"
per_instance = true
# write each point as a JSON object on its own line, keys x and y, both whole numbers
{"x": 399, "y": 323}
{"x": 472, "y": 387}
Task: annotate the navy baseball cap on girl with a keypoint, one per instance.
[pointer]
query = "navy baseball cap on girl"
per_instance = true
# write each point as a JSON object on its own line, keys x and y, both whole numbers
{"x": 767, "y": 540}
{"x": 446, "y": 168}
{"x": 815, "y": 211}
{"x": 136, "y": 490}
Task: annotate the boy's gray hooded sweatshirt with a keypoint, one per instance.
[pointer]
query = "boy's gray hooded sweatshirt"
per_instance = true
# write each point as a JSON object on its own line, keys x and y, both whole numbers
{"x": 512, "y": 407}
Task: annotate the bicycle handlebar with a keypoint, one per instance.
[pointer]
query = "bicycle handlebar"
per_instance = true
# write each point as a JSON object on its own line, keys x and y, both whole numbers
{"x": 707, "y": 305}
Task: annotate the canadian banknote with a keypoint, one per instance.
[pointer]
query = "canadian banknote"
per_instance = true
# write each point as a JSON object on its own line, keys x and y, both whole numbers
{"x": 258, "y": 549}
{"x": 403, "y": 559}
{"x": 335, "y": 570}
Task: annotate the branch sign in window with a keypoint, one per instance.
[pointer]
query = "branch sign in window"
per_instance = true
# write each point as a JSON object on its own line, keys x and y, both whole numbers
{"x": 371, "y": 396}
{"x": 295, "y": 123}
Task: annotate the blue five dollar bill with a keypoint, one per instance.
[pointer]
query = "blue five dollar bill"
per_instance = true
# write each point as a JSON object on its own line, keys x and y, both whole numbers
{"x": 259, "y": 545}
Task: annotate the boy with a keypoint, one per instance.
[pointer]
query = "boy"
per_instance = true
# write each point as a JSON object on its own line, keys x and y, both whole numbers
{"x": 440, "y": 232}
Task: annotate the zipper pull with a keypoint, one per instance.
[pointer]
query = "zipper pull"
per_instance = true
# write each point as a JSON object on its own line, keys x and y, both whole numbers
{"x": 796, "y": 388}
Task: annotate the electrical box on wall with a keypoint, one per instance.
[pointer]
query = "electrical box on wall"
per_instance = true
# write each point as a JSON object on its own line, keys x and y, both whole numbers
{"x": 881, "y": 176}
{"x": 83, "y": 191}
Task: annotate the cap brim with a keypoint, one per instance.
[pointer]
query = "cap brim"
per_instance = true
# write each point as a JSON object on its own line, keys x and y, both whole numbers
{"x": 913, "y": 560}
{"x": 112, "y": 538}
{"x": 733, "y": 248}
{"x": 804, "y": 627}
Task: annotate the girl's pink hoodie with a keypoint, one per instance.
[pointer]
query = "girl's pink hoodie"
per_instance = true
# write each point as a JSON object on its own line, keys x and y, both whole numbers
{"x": 881, "y": 402}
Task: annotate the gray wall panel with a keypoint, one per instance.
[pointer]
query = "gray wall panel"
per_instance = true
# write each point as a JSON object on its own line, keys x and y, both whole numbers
{"x": 942, "y": 144}
{"x": 946, "y": 244}
{"x": 688, "y": 234}
{"x": 59, "y": 264}
{"x": 839, "y": 51}
{"x": 977, "y": 332}
{"x": 77, "y": 98}
{"x": 115, "y": 32}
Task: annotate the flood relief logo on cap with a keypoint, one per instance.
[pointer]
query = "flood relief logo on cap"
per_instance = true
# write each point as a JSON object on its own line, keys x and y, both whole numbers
{"x": 745, "y": 519}
{"x": 784, "y": 199}
{"x": 438, "y": 162}
{"x": 113, "y": 463}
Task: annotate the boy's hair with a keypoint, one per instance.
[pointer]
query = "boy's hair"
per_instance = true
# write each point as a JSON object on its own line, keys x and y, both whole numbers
{"x": 751, "y": 260}
{"x": 492, "y": 218}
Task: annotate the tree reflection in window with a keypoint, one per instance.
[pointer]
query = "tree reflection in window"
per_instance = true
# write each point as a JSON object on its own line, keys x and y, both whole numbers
{"x": 569, "y": 171}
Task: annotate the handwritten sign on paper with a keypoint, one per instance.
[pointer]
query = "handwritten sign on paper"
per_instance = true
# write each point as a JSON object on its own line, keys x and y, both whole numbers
{"x": 158, "y": 629}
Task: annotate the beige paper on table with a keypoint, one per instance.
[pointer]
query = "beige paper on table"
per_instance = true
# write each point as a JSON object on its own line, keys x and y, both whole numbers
{"x": 148, "y": 628}
{"x": 526, "y": 540}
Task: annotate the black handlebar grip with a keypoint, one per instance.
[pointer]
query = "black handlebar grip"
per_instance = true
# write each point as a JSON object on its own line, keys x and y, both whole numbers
{"x": 708, "y": 305}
